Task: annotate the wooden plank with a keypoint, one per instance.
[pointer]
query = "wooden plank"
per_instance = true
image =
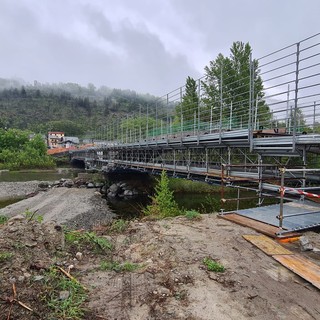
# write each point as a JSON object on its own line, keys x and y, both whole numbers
{"x": 302, "y": 267}
{"x": 261, "y": 227}
{"x": 267, "y": 245}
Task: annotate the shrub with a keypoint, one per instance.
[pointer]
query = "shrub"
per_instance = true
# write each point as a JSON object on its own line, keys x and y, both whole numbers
{"x": 163, "y": 204}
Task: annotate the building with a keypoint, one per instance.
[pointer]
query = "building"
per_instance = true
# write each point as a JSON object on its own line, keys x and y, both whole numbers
{"x": 68, "y": 142}
{"x": 54, "y": 137}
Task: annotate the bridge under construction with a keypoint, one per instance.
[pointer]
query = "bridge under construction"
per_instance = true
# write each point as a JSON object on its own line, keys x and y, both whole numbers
{"x": 267, "y": 142}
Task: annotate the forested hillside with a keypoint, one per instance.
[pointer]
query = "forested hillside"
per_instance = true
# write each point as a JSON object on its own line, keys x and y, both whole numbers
{"x": 67, "y": 107}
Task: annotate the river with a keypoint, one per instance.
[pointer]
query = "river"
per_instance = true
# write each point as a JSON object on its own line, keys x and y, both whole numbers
{"x": 132, "y": 207}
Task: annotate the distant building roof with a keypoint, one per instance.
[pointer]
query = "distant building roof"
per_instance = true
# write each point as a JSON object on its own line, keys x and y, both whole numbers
{"x": 74, "y": 140}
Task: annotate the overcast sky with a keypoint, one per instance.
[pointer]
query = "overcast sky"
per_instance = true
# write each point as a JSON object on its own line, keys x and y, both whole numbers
{"x": 150, "y": 46}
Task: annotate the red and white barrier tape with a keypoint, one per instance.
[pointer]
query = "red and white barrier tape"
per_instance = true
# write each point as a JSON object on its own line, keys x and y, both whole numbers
{"x": 301, "y": 192}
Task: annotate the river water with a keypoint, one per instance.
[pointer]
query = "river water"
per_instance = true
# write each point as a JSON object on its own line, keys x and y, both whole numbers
{"x": 132, "y": 207}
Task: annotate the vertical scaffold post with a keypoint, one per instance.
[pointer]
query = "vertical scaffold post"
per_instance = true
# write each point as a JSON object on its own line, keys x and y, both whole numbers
{"x": 260, "y": 178}
{"x": 222, "y": 187}
{"x": 296, "y": 91}
{"x": 199, "y": 88}
{"x": 221, "y": 103}
{"x": 250, "y": 120}
{"x": 282, "y": 190}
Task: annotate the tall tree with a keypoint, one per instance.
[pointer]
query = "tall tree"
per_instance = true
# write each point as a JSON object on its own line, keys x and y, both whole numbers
{"x": 228, "y": 81}
{"x": 190, "y": 101}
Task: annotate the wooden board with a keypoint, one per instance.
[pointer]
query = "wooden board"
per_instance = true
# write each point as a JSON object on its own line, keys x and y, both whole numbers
{"x": 301, "y": 266}
{"x": 267, "y": 245}
{"x": 262, "y": 227}
{"x": 259, "y": 226}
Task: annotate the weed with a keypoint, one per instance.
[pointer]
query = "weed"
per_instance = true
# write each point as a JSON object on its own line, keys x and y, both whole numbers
{"x": 80, "y": 239}
{"x": 3, "y": 219}
{"x": 213, "y": 265}
{"x": 32, "y": 216}
{"x": 181, "y": 295}
{"x": 118, "y": 267}
{"x": 69, "y": 307}
{"x": 119, "y": 225}
{"x": 4, "y": 256}
{"x": 192, "y": 215}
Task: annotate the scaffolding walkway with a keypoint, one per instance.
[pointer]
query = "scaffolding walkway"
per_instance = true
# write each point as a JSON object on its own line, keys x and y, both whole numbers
{"x": 297, "y": 216}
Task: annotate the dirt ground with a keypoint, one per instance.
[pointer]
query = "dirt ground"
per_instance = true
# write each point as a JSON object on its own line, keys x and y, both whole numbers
{"x": 172, "y": 281}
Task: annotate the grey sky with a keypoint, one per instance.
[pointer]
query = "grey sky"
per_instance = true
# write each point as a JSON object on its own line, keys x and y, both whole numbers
{"x": 150, "y": 46}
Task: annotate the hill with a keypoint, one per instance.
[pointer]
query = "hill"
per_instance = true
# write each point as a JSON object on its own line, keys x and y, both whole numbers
{"x": 67, "y": 107}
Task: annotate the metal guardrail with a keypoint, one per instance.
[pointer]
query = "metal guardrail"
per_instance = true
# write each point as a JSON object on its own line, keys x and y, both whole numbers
{"x": 290, "y": 98}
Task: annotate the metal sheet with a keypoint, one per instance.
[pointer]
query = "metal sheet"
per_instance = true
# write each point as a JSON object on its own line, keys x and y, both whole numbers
{"x": 309, "y": 215}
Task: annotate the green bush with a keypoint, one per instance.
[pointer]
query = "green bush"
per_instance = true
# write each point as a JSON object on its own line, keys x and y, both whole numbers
{"x": 163, "y": 204}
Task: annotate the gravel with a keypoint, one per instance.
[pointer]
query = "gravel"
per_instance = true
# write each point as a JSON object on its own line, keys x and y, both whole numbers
{"x": 74, "y": 207}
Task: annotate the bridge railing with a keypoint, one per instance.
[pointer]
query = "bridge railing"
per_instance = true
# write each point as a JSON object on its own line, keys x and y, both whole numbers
{"x": 278, "y": 90}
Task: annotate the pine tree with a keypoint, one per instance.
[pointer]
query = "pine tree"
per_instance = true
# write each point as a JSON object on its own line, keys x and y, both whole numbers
{"x": 163, "y": 204}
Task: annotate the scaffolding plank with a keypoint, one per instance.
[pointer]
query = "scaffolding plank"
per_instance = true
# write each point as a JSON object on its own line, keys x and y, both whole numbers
{"x": 267, "y": 245}
{"x": 302, "y": 267}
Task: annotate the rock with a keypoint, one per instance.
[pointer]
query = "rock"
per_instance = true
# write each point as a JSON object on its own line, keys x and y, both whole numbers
{"x": 43, "y": 185}
{"x": 90, "y": 185}
{"x": 99, "y": 185}
{"x": 54, "y": 235}
{"x": 305, "y": 245}
{"x": 128, "y": 193}
{"x": 64, "y": 295}
{"x": 18, "y": 217}
{"x": 103, "y": 190}
{"x": 38, "y": 278}
{"x": 114, "y": 188}
{"x": 316, "y": 250}
{"x": 31, "y": 244}
{"x": 79, "y": 256}
{"x": 68, "y": 183}
{"x": 13, "y": 229}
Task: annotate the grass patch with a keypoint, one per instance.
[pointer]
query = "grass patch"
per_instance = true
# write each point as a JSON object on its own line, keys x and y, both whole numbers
{"x": 188, "y": 186}
{"x": 118, "y": 267}
{"x": 213, "y": 265}
{"x": 3, "y": 219}
{"x": 192, "y": 215}
{"x": 4, "y": 256}
{"x": 87, "y": 239}
{"x": 119, "y": 225}
{"x": 68, "y": 307}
